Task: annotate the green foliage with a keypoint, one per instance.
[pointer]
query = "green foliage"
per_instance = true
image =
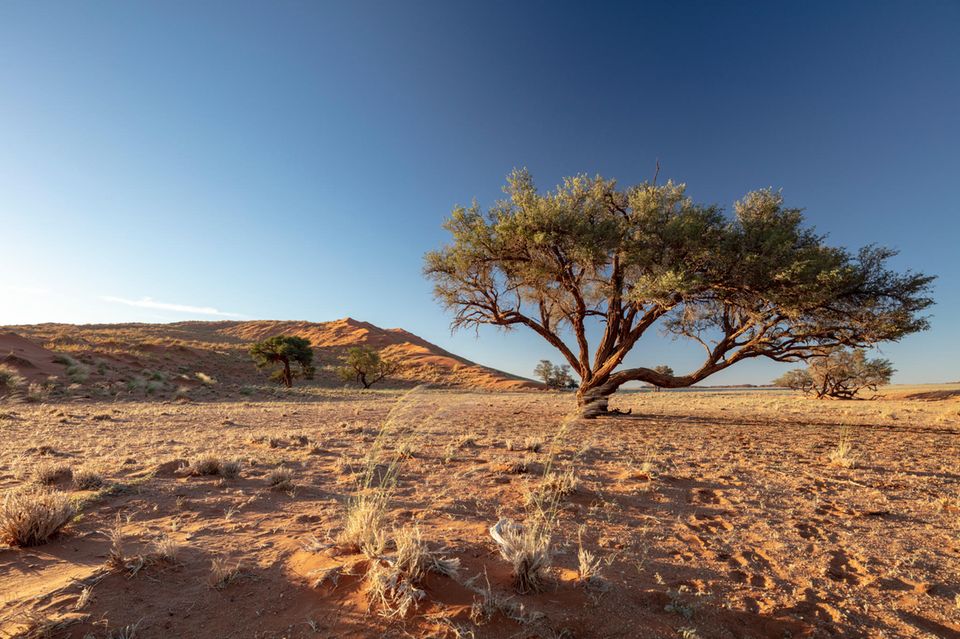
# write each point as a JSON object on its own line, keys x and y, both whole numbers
{"x": 663, "y": 370}
{"x": 283, "y": 351}
{"x": 554, "y": 376}
{"x": 840, "y": 373}
{"x": 758, "y": 284}
{"x": 366, "y": 366}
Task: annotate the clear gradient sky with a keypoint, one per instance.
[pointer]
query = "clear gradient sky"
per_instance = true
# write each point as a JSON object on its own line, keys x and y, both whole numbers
{"x": 162, "y": 161}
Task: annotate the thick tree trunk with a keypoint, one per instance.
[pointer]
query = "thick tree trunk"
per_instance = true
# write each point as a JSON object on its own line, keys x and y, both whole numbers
{"x": 287, "y": 377}
{"x": 593, "y": 399}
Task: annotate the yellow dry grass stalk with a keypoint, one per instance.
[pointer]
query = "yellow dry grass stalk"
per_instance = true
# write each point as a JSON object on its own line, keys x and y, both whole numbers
{"x": 843, "y": 455}
{"x": 393, "y": 582}
{"x": 365, "y": 523}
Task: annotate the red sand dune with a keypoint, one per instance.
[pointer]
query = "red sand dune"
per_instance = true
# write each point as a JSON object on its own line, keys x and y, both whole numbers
{"x": 117, "y": 351}
{"x": 31, "y": 360}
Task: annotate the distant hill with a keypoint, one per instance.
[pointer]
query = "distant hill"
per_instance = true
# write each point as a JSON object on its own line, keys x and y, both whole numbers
{"x": 164, "y": 357}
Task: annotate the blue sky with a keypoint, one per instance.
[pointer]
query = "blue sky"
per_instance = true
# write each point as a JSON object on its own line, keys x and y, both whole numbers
{"x": 295, "y": 160}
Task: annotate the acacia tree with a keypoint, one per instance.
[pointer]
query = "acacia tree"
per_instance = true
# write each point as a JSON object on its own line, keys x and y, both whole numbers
{"x": 554, "y": 376}
{"x": 284, "y": 350}
{"x": 759, "y": 284}
{"x": 662, "y": 369}
{"x": 366, "y": 366}
{"x": 841, "y": 374}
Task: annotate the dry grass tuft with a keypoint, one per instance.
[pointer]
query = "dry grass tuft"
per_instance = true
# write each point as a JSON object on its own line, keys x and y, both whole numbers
{"x": 51, "y": 472}
{"x": 222, "y": 572}
{"x": 211, "y": 466}
{"x": 280, "y": 478}
{"x": 365, "y": 525}
{"x": 393, "y": 582}
{"x": 230, "y": 469}
{"x": 527, "y": 549}
{"x": 10, "y": 380}
{"x": 843, "y": 454}
{"x": 29, "y": 516}
{"x": 165, "y": 549}
{"x": 87, "y": 479}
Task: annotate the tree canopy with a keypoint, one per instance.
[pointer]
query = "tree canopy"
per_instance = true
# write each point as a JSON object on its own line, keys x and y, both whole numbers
{"x": 366, "y": 366}
{"x": 282, "y": 351}
{"x": 841, "y": 374}
{"x": 759, "y": 283}
{"x": 554, "y": 376}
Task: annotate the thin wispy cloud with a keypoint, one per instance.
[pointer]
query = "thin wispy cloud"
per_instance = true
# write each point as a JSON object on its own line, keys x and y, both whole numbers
{"x": 149, "y": 302}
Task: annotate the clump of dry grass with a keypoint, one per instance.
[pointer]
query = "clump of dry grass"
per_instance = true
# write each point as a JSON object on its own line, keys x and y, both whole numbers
{"x": 527, "y": 549}
{"x": 393, "y": 582}
{"x": 843, "y": 454}
{"x": 10, "y": 380}
{"x": 280, "y": 478}
{"x": 29, "y": 516}
{"x": 165, "y": 549}
{"x": 222, "y": 572}
{"x": 87, "y": 479}
{"x": 230, "y": 469}
{"x": 552, "y": 488}
{"x": 365, "y": 524}
{"x": 50, "y": 472}
{"x": 588, "y": 565}
{"x": 210, "y": 466}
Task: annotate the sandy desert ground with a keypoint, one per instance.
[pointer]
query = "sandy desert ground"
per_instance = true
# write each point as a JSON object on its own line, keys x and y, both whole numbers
{"x": 708, "y": 514}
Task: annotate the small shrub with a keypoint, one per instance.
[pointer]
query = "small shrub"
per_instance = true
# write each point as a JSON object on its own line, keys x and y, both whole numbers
{"x": 204, "y": 467}
{"x": 365, "y": 524}
{"x": 527, "y": 549}
{"x": 87, "y": 479}
{"x": 230, "y": 469}
{"x": 393, "y": 585}
{"x": 29, "y": 516}
{"x": 223, "y": 572}
{"x": 49, "y": 472}
{"x": 843, "y": 454}
{"x": 280, "y": 478}
{"x": 10, "y": 380}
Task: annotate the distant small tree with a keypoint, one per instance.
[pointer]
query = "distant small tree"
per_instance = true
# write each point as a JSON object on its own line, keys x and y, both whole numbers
{"x": 544, "y": 371}
{"x": 284, "y": 351}
{"x": 841, "y": 374}
{"x": 662, "y": 369}
{"x": 554, "y": 376}
{"x": 366, "y": 366}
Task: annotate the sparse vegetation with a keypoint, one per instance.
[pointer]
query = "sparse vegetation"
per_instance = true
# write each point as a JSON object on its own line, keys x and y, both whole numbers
{"x": 393, "y": 584}
{"x": 553, "y": 375}
{"x": 284, "y": 351}
{"x": 840, "y": 374}
{"x": 843, "y": 455}
{"x": 366, "y": 367}
{"x": 29, "y": 516}
{"x": 87, "y": 479}
{"x": 10, "y": 380}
